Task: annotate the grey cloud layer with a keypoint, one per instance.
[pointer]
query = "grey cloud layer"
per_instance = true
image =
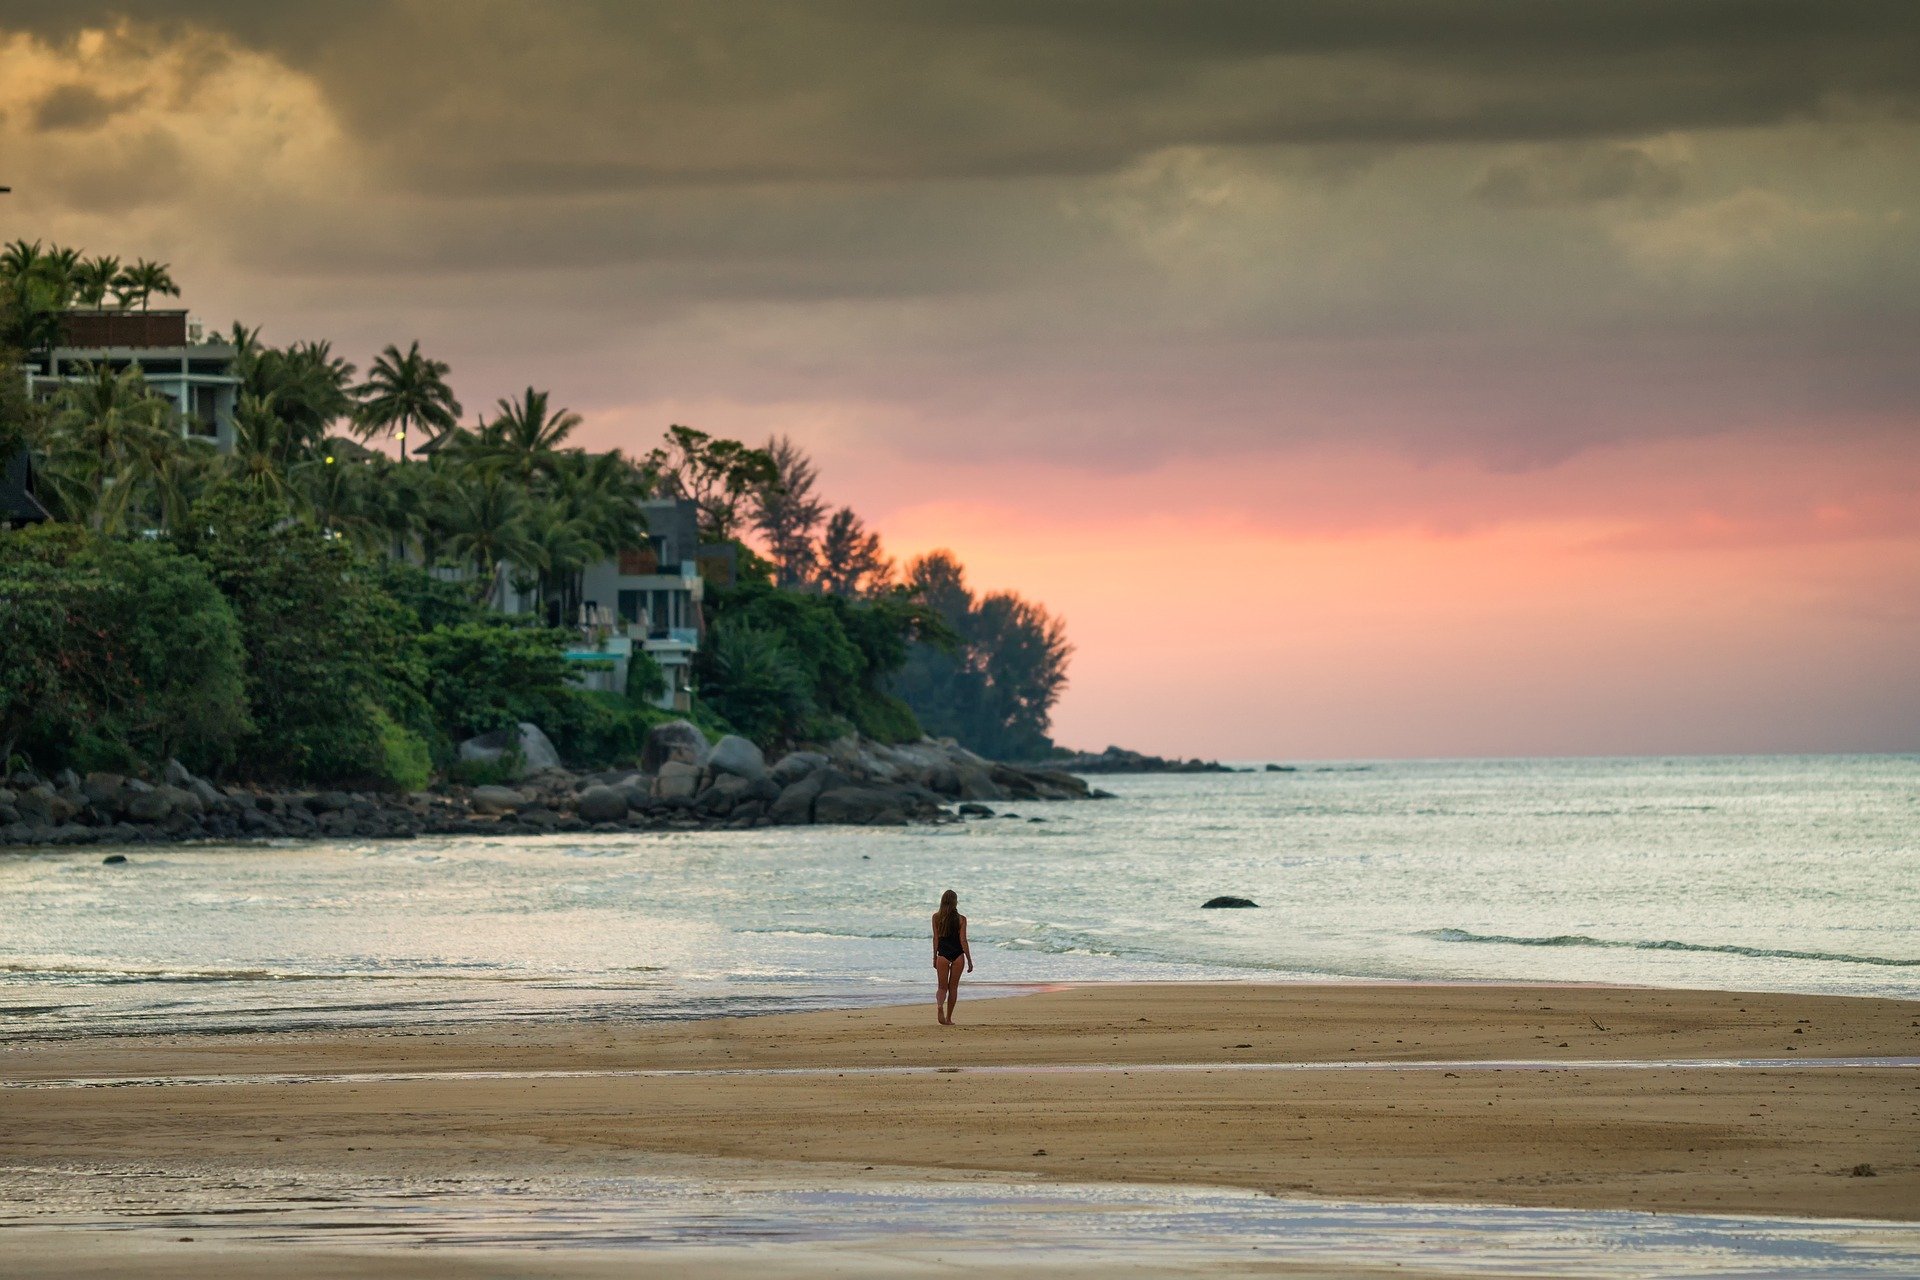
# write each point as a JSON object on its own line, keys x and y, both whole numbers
{"x": 573, "y": 97}
{"x": 1508, "y": 231}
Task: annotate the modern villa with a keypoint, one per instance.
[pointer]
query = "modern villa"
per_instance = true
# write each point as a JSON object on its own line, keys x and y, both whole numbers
{"x": 647, "y": 598}
{"x": 197, "y": 376}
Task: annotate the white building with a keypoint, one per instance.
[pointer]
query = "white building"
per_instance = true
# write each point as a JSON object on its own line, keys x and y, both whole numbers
{"x": 648, "y": 598}
{"x": 196, "y": 376}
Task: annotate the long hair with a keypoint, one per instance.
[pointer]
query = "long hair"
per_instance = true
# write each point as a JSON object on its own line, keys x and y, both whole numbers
{"x": 949, "y": 916}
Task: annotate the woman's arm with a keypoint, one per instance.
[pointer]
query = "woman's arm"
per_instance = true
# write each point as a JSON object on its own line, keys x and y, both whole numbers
{"x": 965, "y": 950}
{"x": 936, "y": 937}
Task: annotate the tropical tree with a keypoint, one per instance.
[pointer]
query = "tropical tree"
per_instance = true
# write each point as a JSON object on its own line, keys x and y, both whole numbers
{"x": 94, "y": 278}
{"x": 144, "y": 279}
{"x": 525, "y": 435}
{"x": 107, "y": 433}
{"x": 851, "y": 561}
{"x": 787, "y": 514}
{"x": 484, "y": 519}
{"x": 719, "y": 475}
{"x": 403, "y": 392}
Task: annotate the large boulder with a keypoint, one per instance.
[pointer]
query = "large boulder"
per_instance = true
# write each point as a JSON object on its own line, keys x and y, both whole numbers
{"x": 182, "y": 800}
{"x": 602, "y": 803}
{"x": 149, "y": 806}
{"x": 727, "y": 791}
{"x": 794, "y": 805}
{"x": 497, "y": 800}
{"x": 102, "y": 789}
{"x": 677, "y": 740}
{"x": 209, "y": 795}
{"x": 739, "y": 757}
{"x": 175, "y": 774}
{"x": 536, "y": 749}
{"x": 796, "y": 765}
{"x": 862, "y": 806}
{"x": 676, "y": 780}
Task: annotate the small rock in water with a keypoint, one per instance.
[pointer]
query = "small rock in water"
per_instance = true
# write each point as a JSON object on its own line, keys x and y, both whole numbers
{"x": 1225, "y": 901}
{"x": 113, "y": 859}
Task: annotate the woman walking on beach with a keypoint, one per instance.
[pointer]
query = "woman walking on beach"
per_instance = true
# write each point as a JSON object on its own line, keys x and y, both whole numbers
{"x": 949, "y": 949}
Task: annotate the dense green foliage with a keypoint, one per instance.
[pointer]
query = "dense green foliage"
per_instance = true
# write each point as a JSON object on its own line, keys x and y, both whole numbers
{"x": 114, "y": 652}
{"x": 305, "y": 609}
{"x": 995, "y": 690}
{"x": 790, "y": 666}
{"x": 328, "y": 657}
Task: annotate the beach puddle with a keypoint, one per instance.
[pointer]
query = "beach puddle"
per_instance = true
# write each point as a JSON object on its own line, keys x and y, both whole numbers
{"x": 1007, "y": 1219}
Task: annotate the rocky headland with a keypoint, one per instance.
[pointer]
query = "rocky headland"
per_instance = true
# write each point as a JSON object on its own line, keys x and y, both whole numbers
{"x": 1120, "y": 760}
{"x": 682, "y": 783}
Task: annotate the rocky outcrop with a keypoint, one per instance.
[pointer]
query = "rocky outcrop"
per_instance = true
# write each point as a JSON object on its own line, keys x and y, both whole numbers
{"x": 1120, "y": 760}
{"x": 691, "y": 786}
{"x": 1227, "y": 901}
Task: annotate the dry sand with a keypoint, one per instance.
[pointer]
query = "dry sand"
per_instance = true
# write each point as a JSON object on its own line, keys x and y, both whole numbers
{"x": 1779, "y": 1141}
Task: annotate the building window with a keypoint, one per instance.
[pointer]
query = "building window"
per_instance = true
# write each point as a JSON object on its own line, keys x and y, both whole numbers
{"x": 633, "y": 607}
{"x": 639, "y": 561}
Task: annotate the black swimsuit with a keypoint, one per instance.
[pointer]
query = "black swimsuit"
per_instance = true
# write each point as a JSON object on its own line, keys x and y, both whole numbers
{"x": 950, "y": 945}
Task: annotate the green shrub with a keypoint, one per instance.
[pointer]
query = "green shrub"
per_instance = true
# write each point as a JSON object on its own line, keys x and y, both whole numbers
{"x": 646, "y": 681}
{"x": 327, "y": 650}
{"x": 503, "y": 772}
{"x": 114, "y": 654}
{"x": 406, "y": 763}
{"x": 750, "y": 677}
{"x": 487, "y": 675}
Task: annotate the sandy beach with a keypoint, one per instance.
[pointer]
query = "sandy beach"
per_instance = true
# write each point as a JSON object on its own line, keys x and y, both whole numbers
{"x": 1079, "y": 1084}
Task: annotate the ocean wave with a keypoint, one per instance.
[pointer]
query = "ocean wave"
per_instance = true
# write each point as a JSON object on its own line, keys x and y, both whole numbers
{"x": 411, "y": 972}
{"x": 1726, "y": 949}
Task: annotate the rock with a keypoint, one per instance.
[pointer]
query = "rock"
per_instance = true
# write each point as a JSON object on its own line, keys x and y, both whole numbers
{"x": 796, "y": 765}
{"x": 861, "y": 806}
{"x": 1225, "y": 901}
{"x": 972, "y": 810}
{"x": 536, "y": 749}
{"x": 602, "y": 804}
{"x": 735, "y": 755}
{"x": 208, "y": 794}
{"x": 329, "y": 802}
{"x": 496, "y": 799}
{"x": 676, "y": 779}
{"x": 794, "y": 805}
{"x": 148, "y": 806}
{"x": 639, "y": 793}
{"x": 1864, "y": 1171}
{"x": 729, "y": 791}
{"x": 114, "y": 860}
{"x": 64, "y": 779}
{"x": 102, "y": 789}
{"x": 1281, "y": 768}
{"x": 976, "y": 782}
{"x": 175, "y": 774}
{"x": 677, "y": 741}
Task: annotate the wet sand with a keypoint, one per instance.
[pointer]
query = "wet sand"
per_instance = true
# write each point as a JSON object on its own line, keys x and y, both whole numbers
{"x": 1778, "y": 1140}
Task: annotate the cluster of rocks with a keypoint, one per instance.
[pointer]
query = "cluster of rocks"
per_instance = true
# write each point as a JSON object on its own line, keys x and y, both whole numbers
{"x": 1120, "y": 760}
{"x": 681, "y": 783}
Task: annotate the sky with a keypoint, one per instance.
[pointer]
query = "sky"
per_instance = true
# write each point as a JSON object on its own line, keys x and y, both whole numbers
{"x": 1357, "y": 379}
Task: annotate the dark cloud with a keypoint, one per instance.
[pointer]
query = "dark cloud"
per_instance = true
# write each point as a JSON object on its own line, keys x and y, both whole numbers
{"x": 79, "y": 107}
{"x": 1583, "y": 176}
{"x": 568, "y": 98}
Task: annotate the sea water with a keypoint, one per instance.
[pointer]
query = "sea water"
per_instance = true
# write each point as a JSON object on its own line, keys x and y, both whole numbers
{"x": 1775, "y": 873}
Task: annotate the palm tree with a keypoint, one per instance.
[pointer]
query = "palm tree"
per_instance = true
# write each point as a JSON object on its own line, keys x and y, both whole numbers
{"x": 144, "y": 279}
{"x": 94, "y": 279}
{"x": 484, "y": 526}
{"x": 18, "y": 259}
{"x": 526, "y": 435}
{"x": 406, "y": 391}
{"x": 260, "y": 445}
{"x": 108, "y": 432}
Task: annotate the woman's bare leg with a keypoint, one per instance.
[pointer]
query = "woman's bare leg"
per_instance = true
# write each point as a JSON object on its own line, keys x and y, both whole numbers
{"x": 943, "y": 972}
{"x": 954, "y": 969}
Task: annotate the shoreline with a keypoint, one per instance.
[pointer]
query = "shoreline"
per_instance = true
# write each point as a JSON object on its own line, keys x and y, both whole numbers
{"x": 1769, "y": 1139}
